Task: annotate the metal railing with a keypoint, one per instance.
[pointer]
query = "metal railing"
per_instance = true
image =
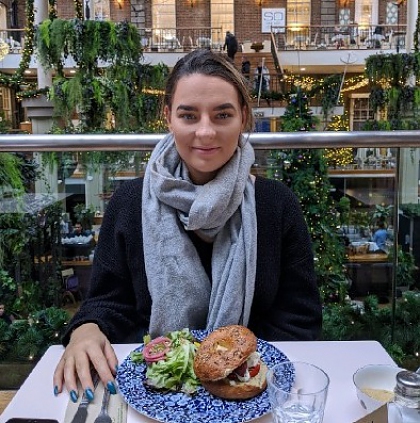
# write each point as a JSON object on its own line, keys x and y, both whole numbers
{"x": 182, "y": 39}
{"x": 261, "y": 141}
{"x": 352, "y": 36}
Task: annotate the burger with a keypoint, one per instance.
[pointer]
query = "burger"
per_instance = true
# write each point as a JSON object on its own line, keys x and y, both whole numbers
{"x": 228, "y": 365}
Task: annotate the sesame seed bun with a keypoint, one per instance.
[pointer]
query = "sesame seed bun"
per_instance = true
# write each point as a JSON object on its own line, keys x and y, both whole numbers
{"x": 219, "y": 354}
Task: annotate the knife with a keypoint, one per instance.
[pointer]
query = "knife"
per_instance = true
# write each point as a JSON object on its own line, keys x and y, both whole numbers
{"x": 81, "y": 413}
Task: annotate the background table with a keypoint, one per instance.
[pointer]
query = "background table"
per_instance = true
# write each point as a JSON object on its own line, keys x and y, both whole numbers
{"x": 340, "y": 360}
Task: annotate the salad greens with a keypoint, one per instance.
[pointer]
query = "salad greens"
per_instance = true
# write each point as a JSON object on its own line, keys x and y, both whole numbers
{"x": 175, "y": 371}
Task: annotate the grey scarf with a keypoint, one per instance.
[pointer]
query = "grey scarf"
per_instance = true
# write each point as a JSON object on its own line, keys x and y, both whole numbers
{"x": 223, "y": 210}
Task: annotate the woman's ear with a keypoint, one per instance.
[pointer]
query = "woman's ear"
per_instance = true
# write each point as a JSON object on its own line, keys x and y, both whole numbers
{"x": 244, "y": 118}
{"x": 167, "y": 114}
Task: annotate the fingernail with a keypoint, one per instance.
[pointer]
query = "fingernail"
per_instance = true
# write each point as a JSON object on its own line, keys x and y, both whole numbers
{"x": 55, "y": 390}
{"x": 116, "y": 367}
{"x": 89, "y": 394}
{"x": 111, "y": 387}
{"x": 73, "y": 395}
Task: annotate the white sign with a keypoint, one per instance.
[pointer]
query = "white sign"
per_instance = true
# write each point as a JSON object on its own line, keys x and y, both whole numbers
{"x": 273, "y": 17}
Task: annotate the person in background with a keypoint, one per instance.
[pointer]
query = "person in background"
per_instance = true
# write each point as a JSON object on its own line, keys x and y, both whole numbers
{"x": 246, "y": 68}
{"x": 78, "y": 230}
{"x": 231, "y": 45}
{"x": 198, "y": 242}
{"x": 380, "y": 237}
{"x": 378, "y": 35}
{"x": 5, "y": 317}
{"x": 261, "y": 71}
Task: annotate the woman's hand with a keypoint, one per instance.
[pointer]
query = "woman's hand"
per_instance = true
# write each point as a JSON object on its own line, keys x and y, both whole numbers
{"x": 88, "y": 348}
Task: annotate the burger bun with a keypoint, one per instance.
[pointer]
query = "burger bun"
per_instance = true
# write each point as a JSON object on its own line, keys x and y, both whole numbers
{"x": 234, "y": 390}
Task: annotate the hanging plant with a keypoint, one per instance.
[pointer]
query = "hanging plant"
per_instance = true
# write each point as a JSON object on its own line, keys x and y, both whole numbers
{"x": 378, "y": 98}
{"x": 394, "y": 97}
{"x": 10, "y": 176}
{"x": 95, "y": 90}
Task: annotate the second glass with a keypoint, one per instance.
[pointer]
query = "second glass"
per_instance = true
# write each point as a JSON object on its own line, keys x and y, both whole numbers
{"x": 298, "y": 392}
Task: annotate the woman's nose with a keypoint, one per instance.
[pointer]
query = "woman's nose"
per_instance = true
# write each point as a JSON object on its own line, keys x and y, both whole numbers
{"x": 205, "y": 129}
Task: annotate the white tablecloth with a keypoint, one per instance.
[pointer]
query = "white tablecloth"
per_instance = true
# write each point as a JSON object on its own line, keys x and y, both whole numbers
{"x": 35, "y": 399}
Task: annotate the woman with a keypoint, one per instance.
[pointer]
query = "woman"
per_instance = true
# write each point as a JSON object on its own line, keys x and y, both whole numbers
{"x": 198, "y": 242}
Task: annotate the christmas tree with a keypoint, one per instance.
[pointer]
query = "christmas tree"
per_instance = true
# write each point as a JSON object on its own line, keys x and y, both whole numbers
{"x": 339, "y": 156}
{"x": 305, "y": 171}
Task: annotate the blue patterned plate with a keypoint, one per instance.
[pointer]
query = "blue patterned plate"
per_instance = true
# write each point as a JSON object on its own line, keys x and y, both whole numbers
{"x": 202, "y": 407}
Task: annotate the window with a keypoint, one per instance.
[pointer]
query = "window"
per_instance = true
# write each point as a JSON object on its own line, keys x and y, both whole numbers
{"x": 392, "y": 13}
{"x": 3, "y": 21}
{"x": 360, "y": 111}
{"x": 99, "y": 10}
{"x": 164, "y": 23}
{"x": 366, "y": 13}
{"x": 298, "y": 13}
{"x": 344, "y": 17}
{"x": 6, "y": 102}
{"x": 222, "y": 16}
{"x": 163, "y": 14}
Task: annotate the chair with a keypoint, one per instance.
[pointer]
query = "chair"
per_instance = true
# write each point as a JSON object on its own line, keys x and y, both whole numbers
{"x": 353, "y": 271}
{"x": 312, "y": 44}
{"x": 71, "y": 286}
{"x": 381, "y": 278}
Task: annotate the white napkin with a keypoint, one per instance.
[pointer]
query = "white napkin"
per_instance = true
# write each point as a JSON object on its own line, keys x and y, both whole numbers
{"x": 117, "y": 407}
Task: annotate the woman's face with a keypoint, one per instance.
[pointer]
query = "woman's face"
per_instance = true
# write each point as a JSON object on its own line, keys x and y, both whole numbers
{"x": 206, "y": 120}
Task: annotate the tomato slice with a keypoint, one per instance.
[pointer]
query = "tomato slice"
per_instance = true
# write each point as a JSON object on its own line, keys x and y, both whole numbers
{"x": 253, "y": 371}
{"x": 156, "y": 349}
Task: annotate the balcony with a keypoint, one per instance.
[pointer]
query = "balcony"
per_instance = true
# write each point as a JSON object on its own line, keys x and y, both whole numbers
{"x": 297, "y": 47}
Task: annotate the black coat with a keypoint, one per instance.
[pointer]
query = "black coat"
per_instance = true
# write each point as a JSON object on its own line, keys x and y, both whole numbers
{"x": 286, "y": 303}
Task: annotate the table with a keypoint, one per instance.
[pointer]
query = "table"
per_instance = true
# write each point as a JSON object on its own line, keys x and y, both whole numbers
{"x": 35, "y": 398}
{"x": 371, "y": 273}
{"x": 368, "y": 258}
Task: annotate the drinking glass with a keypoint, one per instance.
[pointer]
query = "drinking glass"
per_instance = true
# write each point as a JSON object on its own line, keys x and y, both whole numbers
{"x": 298, "y": 392}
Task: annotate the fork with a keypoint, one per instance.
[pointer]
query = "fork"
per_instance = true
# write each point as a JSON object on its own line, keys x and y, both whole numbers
{"x": 103, "y": 416}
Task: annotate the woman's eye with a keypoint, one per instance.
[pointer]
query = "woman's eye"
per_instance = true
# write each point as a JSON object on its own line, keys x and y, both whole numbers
{"x": 223, "y": 115}
{"x": 187, "y": 116}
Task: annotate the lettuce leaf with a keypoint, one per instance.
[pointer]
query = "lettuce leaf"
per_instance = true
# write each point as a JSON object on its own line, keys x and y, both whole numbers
{"x": 176, "y": 372}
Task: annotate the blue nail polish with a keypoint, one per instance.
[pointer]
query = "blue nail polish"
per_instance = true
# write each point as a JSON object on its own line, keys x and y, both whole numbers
{"x": 111, "y": 387}
{"x": 74, "y": 396}
{"x": 55, "y": 390}
{"x": 89, "y": 394}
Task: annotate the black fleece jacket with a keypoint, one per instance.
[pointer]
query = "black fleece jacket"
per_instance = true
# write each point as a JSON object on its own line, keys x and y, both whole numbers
{"x": 286, "y": 303}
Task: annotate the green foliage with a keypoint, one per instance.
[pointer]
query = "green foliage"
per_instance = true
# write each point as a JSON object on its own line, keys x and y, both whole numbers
{"x": 28, "y": 339}
{"x": 343, "y": 207}
{"x": 10, "y": 176}
{"x": 112, "y": 96}
{"x": 84, "y": 215}
{"x": 305, "y": 171}
{"x": 349, "y": 322}
{"x": 406, "y": 267}
{"x": 410, "y": 209}
{"x": 395, "y": 68}
{"x": 392, "y": 91}
{"x": 381, "y": 214}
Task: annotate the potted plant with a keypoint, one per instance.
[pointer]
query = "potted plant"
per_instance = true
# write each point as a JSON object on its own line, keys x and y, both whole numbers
{"x": 84, "y": 215}
{"x": 405, "y": 272}
{"x": 24, "y": 341}
{"x": 257, "y": 46}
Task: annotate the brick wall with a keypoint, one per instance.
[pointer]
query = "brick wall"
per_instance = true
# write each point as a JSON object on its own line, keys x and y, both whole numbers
{"x": 247, "y": 13}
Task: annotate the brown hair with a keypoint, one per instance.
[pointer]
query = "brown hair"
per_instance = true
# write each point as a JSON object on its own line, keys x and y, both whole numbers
{"x": 206, "y": 62}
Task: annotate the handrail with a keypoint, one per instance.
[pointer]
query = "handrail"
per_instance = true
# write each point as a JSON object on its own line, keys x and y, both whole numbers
{"x": 260, "y": 141}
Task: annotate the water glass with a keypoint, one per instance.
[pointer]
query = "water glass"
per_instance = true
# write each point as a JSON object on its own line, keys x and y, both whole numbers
{"x": 298, "y": 392}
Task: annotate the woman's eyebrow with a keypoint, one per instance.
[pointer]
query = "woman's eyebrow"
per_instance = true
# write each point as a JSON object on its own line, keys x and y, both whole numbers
{"x": 223, "y": 106}
{"x": 186, "y": 108}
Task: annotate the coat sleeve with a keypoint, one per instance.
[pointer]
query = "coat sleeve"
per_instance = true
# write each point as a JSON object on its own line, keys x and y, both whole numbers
{"x": 112, "y": 301}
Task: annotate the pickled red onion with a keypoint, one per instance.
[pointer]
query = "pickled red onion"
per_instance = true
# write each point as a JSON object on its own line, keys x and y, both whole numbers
{"x": 156, "y": 349}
